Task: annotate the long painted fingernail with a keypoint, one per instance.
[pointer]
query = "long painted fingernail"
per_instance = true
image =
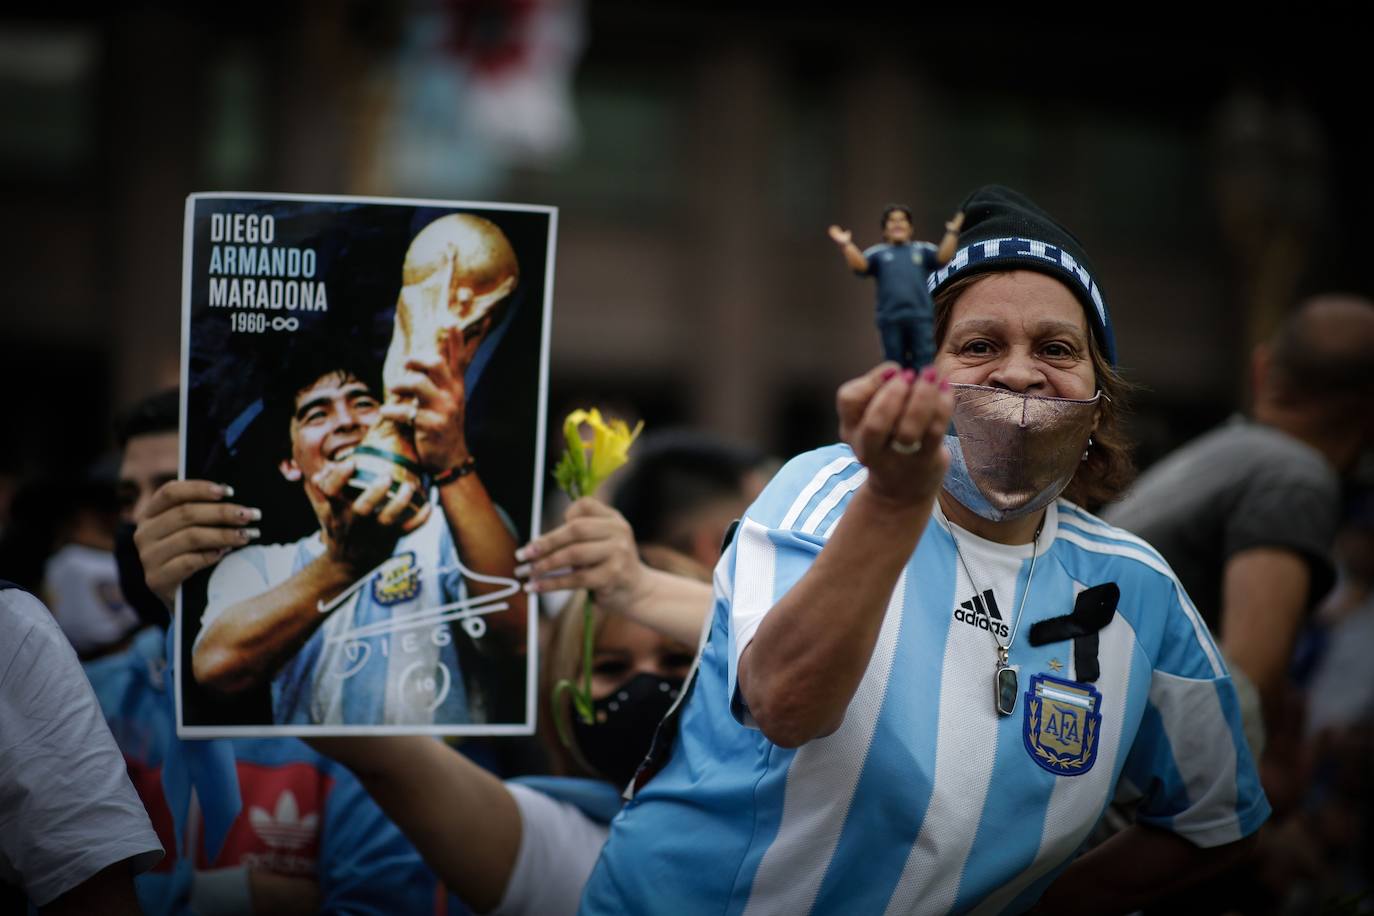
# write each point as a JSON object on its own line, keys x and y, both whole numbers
{"x": 250, "y": 515}
{"x": 908, "y": 375}
{"x": 531, "y": 588}
{"x": 524, "y": 553}
{"x": 944, "y": 384}
{"x": 250, "y": 534}
{"x": 929, "y": 374}
{"x": 226, "y": 490}
{"x": 889, "y": 372}
{"x": 522, "y": 570}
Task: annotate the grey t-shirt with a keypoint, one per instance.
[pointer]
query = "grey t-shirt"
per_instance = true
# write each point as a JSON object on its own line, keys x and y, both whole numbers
{"x": 1242, "y": 485}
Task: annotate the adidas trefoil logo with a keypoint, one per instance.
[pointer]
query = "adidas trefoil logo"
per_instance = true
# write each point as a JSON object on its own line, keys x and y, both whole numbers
{"x": 981, "y": 611}
{"x": 286, "y": 829}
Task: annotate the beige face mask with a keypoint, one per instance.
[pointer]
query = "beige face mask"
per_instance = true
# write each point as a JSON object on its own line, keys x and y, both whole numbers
{"x": 1011, "y": 453}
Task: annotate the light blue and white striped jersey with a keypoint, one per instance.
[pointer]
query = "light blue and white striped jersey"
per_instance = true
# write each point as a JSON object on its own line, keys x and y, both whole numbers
{"x": 385, "y": 655}
{"x": 926, "y": 800}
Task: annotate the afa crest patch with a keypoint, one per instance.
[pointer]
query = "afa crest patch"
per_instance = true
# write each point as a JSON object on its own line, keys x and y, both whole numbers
{"x": 1062, "y": 724}
{"x": 397, "y": 580}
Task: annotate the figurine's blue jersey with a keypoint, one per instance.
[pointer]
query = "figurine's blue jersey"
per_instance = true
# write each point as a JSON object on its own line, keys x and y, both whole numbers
{"x": 900, "y": 272}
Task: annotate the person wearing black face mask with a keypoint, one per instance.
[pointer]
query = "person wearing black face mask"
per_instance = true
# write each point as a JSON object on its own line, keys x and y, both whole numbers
{"x": 637, "y": 675}
{"x": 527, "y": 845}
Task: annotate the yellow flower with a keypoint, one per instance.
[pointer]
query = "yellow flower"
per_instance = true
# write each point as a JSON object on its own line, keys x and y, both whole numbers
{"x": 581, "y": 469}
{"x": 586, "y": 465}
{"x": 610, "y": 446}
{"x": 572, "y": 426}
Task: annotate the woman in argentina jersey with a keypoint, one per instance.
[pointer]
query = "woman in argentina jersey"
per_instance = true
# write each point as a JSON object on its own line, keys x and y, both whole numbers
{"x": 929, "y": 670}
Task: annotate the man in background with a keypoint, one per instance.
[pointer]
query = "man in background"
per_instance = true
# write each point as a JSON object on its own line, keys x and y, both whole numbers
{"x": 684, "y": 488}
{"x": 1246, "y": 514}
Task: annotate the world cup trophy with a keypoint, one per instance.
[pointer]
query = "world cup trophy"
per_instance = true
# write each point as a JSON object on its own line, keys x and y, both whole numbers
{"x": 457, "y": 271}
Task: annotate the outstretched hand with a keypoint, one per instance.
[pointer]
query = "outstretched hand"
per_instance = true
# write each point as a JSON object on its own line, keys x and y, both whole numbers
{"x": 187, "y": 527}
{"x": 895, "y": 421}
{"x": 594, "y": 549}
{"x": 841, "y": 236}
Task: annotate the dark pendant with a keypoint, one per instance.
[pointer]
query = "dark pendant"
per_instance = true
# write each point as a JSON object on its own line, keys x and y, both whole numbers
{"x": 1005, "y": 687}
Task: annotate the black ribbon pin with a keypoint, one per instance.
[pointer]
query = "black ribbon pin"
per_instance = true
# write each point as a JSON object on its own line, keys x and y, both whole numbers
{"x": 1093, "y": 610}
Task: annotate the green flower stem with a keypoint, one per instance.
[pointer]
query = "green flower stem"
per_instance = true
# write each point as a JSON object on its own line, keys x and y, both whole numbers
{"x": 581, "y": 696}
{"x": 587, "y": 639}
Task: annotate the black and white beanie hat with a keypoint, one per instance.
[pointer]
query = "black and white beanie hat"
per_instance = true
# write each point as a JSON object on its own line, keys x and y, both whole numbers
{"x": 1003, "y": 230}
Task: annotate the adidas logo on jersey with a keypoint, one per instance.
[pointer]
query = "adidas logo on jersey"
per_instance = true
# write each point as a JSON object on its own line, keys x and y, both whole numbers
{"x": 981, "y": 611}
{"x": 285, "y": 828}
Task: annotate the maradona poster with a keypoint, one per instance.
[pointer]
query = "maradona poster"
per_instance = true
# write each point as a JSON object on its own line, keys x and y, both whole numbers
{"x": 370, "y": 374}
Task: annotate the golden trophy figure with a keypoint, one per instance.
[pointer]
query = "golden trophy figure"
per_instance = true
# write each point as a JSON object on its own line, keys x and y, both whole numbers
{"x": 457, "y": 271}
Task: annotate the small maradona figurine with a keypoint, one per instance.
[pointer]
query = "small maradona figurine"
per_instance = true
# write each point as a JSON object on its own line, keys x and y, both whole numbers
{"x": 906, "y": 317}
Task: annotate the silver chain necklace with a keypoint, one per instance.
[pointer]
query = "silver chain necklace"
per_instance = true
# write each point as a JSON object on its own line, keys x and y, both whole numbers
{"x": 1004, "y": 681}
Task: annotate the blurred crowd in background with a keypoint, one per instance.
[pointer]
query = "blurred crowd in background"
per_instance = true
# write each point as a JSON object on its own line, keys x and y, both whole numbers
{"x": 697, "y": 153}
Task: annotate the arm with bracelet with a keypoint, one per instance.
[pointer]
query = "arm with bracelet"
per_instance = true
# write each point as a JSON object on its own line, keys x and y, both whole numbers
{"x": 437, "y": 414}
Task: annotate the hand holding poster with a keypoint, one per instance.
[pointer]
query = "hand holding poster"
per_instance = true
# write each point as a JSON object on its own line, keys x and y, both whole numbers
{"x": 371, "y": 375}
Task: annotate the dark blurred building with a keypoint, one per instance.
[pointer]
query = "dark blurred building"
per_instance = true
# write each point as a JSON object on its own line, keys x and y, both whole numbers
{"x": 700, "y": 155}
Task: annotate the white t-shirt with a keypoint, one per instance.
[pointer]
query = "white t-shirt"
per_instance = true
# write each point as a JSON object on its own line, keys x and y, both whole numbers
{"x": 558, "y": 847}
{"x": 67, "y": 808}
{"x": 82, "y": 584}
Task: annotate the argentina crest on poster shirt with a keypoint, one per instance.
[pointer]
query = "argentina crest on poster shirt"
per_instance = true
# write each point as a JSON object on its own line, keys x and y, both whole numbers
{"x": 396, "y": 580}
{"x": 1061, "y": 724}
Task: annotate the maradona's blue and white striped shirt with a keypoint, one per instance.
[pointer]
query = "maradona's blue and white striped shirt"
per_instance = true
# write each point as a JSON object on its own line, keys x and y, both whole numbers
{"x": 925, "y": 800}
{"x": 386, "y": 655}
